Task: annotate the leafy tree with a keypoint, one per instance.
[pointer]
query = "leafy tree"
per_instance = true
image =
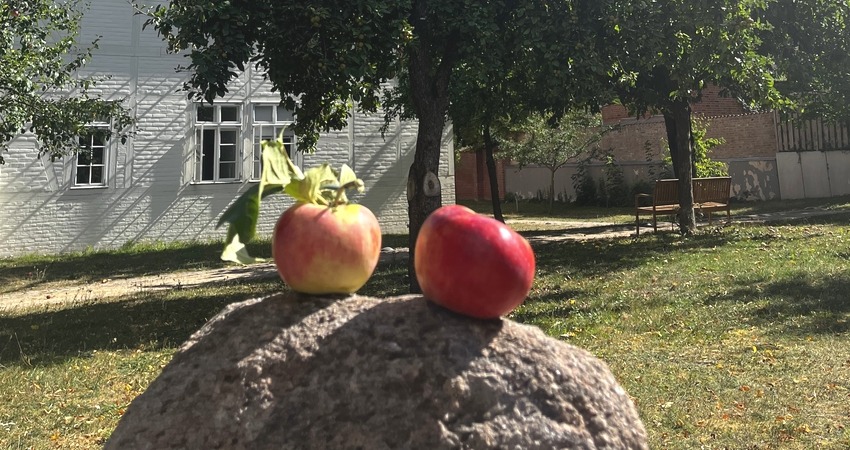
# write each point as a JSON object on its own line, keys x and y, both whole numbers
{"x": 39, "y": 90}
{"x": 552, "y": 142}
{"x": 810, "y": 45}
{"x": 503, "y": 85}
{"x": 703, "y": 165}
{"x": 790, "y": 54}
{"x": 667, "y": 51}
{"x": 326, "y": 53}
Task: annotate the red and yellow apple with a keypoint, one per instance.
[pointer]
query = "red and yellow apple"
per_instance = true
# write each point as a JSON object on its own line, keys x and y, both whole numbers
{"x": 472, "y": 264}
{"x": 321, "y": 249}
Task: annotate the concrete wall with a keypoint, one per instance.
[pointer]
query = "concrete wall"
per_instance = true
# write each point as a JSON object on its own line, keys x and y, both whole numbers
{"x": 149, "y": 194}
{"x": 813, "y": 174}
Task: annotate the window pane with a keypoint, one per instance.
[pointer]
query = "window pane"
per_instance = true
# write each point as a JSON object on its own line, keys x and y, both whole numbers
{"x": 227, "y": 153}
{"x": 227, "y": 170}
{"x": 258, "y": 170}
{"x": 84, "y": 158}
{"x": 228, "y": 137}
{"x": 97, "y": 155}
{"x": 229, "y": 113}
{"x": 206, "y": 113}
{"x": 208, "y": 155}
{"x": 98, "y": 140}
{"x": 289, "y": 142}
{"x": 82, "y": 175}
{"x": 85, "y": 141}
{"x": 268, "y": 133}
{"x": 263, "y": 113}
{"x": 97, "y": 175}
{"x": 283, "y": 114}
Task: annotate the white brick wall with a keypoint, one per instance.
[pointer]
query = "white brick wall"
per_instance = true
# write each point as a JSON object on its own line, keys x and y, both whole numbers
{"x": 149, "y": 196}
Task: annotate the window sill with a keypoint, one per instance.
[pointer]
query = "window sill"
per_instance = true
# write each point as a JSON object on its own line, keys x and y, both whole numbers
{"x": 87, "y": 188}
{"x": 209, "y": 183}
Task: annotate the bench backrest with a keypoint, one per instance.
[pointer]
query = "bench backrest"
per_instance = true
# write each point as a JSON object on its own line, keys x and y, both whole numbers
{"x": 709, "y": 189}
{"x": 666, "y": 192}
{"x": 713, "y": 189}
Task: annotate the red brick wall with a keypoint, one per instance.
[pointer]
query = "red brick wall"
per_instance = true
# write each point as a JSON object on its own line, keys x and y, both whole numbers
{"x": 471, "y": 179}
{"x": 711, "y": 104}
{"x": 745, "y": 135}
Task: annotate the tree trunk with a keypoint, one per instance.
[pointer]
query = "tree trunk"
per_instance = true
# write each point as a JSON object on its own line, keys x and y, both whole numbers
{"x": 551, "y": 189}
{"x": 429, "y": 83}
{"x": 680, "y": 152}
{"x": 495, "y": 198}
{"x": 670, "y": 128}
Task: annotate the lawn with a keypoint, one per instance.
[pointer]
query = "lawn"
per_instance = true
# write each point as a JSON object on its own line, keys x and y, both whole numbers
{"x": 738, "y": 337}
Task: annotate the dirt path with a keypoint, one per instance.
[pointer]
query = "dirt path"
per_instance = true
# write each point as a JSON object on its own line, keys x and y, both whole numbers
{"x": 51, "y": 294}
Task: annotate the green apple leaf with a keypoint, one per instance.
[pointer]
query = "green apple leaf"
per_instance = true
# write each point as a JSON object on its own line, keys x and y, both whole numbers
{"x": 310, "y": 188}
{"x": 235, "y": 251}
{"x": 319, "y": 185}
{"x": 347, "y": 180}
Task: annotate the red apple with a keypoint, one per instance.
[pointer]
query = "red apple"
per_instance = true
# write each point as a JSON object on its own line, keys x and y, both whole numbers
{"x": 326, "y": 250}
{"x": 472, "y": 264}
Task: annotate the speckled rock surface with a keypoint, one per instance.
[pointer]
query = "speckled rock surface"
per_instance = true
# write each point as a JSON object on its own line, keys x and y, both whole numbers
{"x": 299, "y": 372}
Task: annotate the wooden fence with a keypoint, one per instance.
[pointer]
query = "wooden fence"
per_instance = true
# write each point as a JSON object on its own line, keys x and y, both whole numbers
{"x": 801, "y": 135}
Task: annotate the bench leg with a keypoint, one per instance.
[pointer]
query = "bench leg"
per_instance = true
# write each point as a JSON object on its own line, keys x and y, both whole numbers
{"x": 654, "y": 223}
{"x": 637, "y": 224}
{"x": 709, "y": 218}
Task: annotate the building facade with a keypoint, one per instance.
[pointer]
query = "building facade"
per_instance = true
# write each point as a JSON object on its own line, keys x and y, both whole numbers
{"x": 187, "y": 161}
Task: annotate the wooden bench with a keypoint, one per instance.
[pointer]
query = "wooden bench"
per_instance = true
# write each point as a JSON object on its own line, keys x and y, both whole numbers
{"x": 710, "y": 194}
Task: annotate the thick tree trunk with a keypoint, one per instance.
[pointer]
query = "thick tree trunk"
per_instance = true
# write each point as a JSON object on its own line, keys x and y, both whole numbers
{"x": 679, "y": 118}
{"x": 429, "y": 86}
{"x": 495, "y": 198}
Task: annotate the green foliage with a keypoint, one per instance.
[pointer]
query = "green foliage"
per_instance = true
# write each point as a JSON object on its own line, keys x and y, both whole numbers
{"x": 552, "y": 141}
{"x": 613, "y": 190}
{"x": 810, "y": 44}
{"x": 39, "y": 91}
{"x": 320, "y": 185}
{"x": 702, "y": 145}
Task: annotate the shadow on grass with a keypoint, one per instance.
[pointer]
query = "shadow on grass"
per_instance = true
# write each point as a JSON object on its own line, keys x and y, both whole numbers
{"x": 160, "y": 320}
{"x": 799, "y": 304}
{"x": 30, "y": 272}
{"x": 598, "y": 257}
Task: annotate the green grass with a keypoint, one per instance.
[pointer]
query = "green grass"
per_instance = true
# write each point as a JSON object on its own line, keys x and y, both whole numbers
{"x": 734, "y": 338}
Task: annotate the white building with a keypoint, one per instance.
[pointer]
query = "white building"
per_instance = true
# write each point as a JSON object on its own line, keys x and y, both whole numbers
{"x": 187, "y": 161}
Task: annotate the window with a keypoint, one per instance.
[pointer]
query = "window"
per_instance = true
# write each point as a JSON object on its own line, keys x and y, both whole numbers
{"x": 217, "y": 135}
{"x": 90, "y": 162}
{"x": 268, "y": 122}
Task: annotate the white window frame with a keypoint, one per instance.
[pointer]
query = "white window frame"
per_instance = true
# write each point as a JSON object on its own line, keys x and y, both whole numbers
{"x": 276, "y": 124}
{"x": 217, "y": 125}
{"x": 86, "y": 149}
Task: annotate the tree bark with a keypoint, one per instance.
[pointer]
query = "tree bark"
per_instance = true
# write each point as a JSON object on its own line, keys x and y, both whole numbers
{"x": 551, "y": 189}
{"x": 495, "y": 198}
{"x": 670, "y": 128}
{"x": 679, "y": 117}
{"x": 429, "y": 83}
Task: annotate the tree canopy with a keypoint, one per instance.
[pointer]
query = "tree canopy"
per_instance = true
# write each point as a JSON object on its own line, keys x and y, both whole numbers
{"x": 667, "y": 51}
{"x": 39, "y": 89}
{"x": 809, "y": 41}
{"x": 320, "y": 55}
